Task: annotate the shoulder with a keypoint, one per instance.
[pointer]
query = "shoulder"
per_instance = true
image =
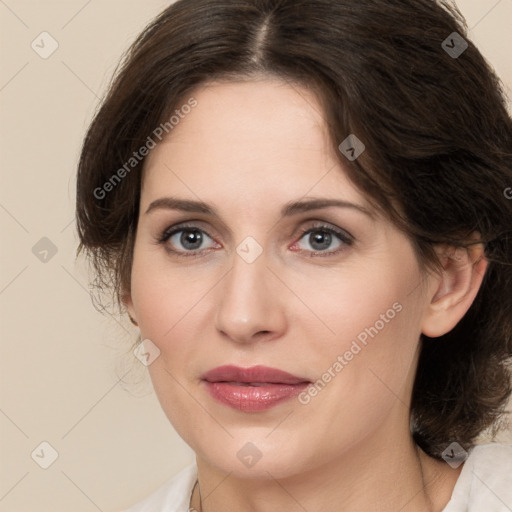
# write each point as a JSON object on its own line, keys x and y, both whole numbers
{"x": 172, "y": 496}
{"x": 485, "y": 482}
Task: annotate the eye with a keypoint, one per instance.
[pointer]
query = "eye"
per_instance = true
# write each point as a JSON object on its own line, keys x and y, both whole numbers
{"x": 186, "y": 239}
{"x": 190, "y": 240}
{"x": 323, "y": 240}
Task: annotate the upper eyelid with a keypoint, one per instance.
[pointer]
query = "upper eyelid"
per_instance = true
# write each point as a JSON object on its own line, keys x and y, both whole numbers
{"x": 328, "y": 226}
{"x": 191, "y": 225}
{"x": 196, "y": 224}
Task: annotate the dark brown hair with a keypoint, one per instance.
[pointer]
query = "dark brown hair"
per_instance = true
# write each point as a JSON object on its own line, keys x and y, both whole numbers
{"x": 438, "y": 159}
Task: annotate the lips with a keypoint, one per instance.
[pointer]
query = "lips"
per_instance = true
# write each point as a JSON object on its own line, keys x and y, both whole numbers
{"x": 252, "y": 375}
{"x": 252, "y": 389}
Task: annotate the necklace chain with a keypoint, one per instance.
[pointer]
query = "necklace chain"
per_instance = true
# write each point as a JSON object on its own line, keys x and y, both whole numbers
{"x": 192, "y": 509}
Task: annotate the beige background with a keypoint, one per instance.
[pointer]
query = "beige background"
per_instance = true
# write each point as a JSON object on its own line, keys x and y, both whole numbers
{"x": 64, "y": 366}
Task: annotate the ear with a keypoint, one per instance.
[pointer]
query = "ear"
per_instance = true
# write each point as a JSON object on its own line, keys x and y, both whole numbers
{"x": 455, "y": 288}
{"x": 126, "y": 299}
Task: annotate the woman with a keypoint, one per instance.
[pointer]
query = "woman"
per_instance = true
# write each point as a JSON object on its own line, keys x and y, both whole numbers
{"x": 302, "y": 204}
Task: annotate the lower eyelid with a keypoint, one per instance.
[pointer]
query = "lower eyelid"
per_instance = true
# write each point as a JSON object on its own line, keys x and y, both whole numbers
{"x": 328, "y": 252}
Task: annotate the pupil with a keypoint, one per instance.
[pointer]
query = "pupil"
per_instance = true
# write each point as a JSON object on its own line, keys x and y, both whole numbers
{"x": 191, "y": 238}
{"x": 322, "y": 239}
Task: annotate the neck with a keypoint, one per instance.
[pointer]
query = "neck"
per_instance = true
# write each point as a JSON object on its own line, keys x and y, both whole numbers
{"x": 385, "y": 476}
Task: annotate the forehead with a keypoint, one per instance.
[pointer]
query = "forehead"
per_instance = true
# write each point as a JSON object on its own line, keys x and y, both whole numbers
{"x": 248, "y": 138}
{"x": 256, "y": 107}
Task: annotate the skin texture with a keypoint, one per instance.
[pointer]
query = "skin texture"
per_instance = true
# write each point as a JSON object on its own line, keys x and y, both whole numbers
{"x": 248, "y": 149}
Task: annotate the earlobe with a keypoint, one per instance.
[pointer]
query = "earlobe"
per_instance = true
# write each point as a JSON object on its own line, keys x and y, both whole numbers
{"x": 128, "y": 303}
{"x": 455, "y": 288}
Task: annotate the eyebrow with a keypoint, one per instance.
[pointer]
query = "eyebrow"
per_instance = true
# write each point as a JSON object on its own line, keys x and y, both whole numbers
{"x": 289, "y": 209}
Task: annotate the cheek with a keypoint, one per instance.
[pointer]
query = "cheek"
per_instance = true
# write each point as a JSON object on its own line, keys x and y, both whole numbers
{"x": 356, "y": 303}
{"x": 168, "y": 305}
{"x": 364, "y": 373}
{"x": 371, "y": 320}
{"x": 163, "y": 295}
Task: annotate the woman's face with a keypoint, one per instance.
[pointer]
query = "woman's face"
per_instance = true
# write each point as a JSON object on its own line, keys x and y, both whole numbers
{"x": 261, "y": 276}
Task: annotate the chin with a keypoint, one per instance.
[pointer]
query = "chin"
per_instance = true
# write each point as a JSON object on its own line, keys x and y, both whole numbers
{"x": 255, "y": 457}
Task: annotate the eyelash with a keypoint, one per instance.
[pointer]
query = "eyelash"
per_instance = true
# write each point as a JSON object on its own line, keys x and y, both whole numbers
{"x": 343, "y": 237}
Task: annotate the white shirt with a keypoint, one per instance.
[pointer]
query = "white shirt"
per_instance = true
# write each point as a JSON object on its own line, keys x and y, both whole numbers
{"x": 484, "y": 485}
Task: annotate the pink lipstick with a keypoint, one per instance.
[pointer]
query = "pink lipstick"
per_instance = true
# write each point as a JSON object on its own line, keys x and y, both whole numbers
{"x": 253, "y": 389}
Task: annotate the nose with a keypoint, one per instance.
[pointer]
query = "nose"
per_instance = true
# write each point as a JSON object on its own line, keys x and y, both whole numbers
{"x": 252, "y": 301}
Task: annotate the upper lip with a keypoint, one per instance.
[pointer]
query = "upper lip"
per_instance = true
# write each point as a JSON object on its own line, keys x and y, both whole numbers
{"x": 259, "y": 374}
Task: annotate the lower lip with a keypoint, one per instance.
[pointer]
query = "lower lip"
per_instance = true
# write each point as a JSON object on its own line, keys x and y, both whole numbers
{"x": 253, "y": 398}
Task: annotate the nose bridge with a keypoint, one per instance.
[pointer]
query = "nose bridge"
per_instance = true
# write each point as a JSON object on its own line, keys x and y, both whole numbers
{"x": 249, "y": 266}
{"x": 247, "y": 305}
{"x": 246, "y": 283}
